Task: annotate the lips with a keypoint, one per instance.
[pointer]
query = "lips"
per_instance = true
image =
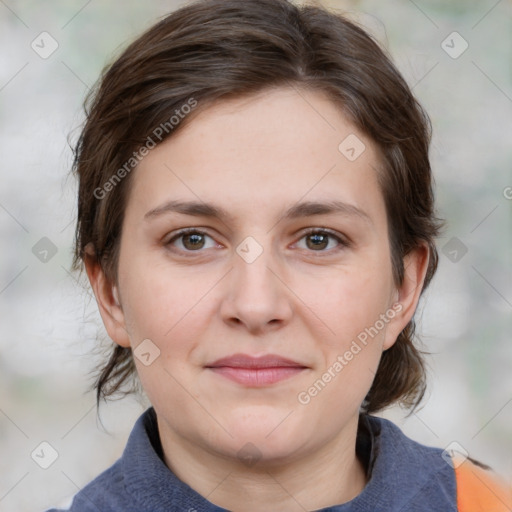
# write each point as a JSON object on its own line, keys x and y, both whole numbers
{"x": 256, "y": 371}
{"x": 246, "y": 361}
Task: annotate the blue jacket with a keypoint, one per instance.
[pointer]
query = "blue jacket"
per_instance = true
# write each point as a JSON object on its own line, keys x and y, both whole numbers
{"x": 404, "y": 476}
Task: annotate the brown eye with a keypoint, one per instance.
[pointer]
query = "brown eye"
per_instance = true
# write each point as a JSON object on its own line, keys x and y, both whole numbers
{"x": 318, "y": 240}
{"x": 190, "y": 240}
{"x": 193, "y": 241}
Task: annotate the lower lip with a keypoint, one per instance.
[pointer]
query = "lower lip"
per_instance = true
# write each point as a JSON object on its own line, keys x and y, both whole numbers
{"x": 257, "y": 377}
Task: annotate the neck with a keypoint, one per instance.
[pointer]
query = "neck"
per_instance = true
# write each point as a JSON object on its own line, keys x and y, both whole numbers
{"x": 325, "y": 476}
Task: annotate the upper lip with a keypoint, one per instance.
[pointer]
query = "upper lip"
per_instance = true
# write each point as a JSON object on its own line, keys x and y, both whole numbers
{"x": 247, "y": 361}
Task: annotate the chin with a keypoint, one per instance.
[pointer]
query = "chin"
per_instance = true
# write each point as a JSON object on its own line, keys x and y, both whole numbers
{"x": 266, "y": 453}
{"x": 267, "y": 435}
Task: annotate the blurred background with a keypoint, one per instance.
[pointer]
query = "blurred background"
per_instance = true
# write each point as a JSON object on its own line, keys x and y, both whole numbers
{"x": 456, "y": 55}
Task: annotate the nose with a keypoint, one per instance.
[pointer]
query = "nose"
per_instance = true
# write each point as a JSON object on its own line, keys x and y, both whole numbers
{"x": 257, "y": 296}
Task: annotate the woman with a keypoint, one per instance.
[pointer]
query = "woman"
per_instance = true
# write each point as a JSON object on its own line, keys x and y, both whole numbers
{"x": 256, "y": 219}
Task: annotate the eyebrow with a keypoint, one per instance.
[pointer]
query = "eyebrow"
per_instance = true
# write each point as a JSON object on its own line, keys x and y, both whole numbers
{"x": 299, "y": 210}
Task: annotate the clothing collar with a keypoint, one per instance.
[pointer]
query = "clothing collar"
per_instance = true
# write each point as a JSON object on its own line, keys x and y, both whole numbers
{"x": 398, "y": 469}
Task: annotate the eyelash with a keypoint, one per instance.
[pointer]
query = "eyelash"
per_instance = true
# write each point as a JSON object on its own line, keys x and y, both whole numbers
{"x": 343, "y": 242}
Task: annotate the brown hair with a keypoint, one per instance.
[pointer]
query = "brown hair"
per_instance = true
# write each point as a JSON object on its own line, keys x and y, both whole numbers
{"x": 211, "y": 50}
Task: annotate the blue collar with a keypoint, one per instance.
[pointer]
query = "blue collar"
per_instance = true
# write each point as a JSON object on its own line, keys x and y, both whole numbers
{"x": 404, "y": 475}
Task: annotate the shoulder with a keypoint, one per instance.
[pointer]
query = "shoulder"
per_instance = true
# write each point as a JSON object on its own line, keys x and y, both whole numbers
{"x": 415, "y": 459}
{"x": 406, "y": 475}
{"x": 479, "y": 489}
{"x": 139, "y": 481}
{"x": 430, "y": 478}
{"x": 105, "y": 492}
{"x": 111, "y": 490}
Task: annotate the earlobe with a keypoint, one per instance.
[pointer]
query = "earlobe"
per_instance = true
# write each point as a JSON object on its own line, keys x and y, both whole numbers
{"x": 408, "y": 293}
{"x": 107, "y": 298}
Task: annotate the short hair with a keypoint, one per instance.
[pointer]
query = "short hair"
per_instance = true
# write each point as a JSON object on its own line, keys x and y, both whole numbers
{"x": 212, "y": 50}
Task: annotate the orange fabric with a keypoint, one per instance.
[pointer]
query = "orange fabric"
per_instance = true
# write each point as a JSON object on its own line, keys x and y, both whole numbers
{"x": 480, "y": 490}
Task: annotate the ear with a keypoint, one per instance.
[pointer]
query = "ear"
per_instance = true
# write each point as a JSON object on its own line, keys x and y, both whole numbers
{"x": 408, "y": 293}
{"x": 107, "y": 297}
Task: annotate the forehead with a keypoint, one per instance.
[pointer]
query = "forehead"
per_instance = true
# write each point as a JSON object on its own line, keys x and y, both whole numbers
{"x": 275, "y": 148}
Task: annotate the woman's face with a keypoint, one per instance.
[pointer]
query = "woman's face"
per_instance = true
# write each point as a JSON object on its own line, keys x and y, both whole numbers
{"x": 253, "y": 281}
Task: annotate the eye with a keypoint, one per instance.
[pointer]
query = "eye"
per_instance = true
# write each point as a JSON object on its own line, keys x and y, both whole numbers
{"x": 318, "y": 240}
{"x": 191, "y": 240}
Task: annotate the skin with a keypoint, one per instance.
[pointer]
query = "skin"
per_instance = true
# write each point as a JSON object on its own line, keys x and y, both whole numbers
{"x": 256, "y": 157}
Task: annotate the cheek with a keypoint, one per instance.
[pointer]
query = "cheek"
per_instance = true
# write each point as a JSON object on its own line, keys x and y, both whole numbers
{"x": 351, "y": 355}
{"x": 159, "y": 300}
{"x": 166, "y": 309}
{"x": 351, "y": 302}
{"x": 357, "y": 310}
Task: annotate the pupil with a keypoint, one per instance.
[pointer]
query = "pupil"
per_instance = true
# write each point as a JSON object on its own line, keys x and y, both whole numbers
{"x": 195, "y": 240}
{"x": 318, "y": 238}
